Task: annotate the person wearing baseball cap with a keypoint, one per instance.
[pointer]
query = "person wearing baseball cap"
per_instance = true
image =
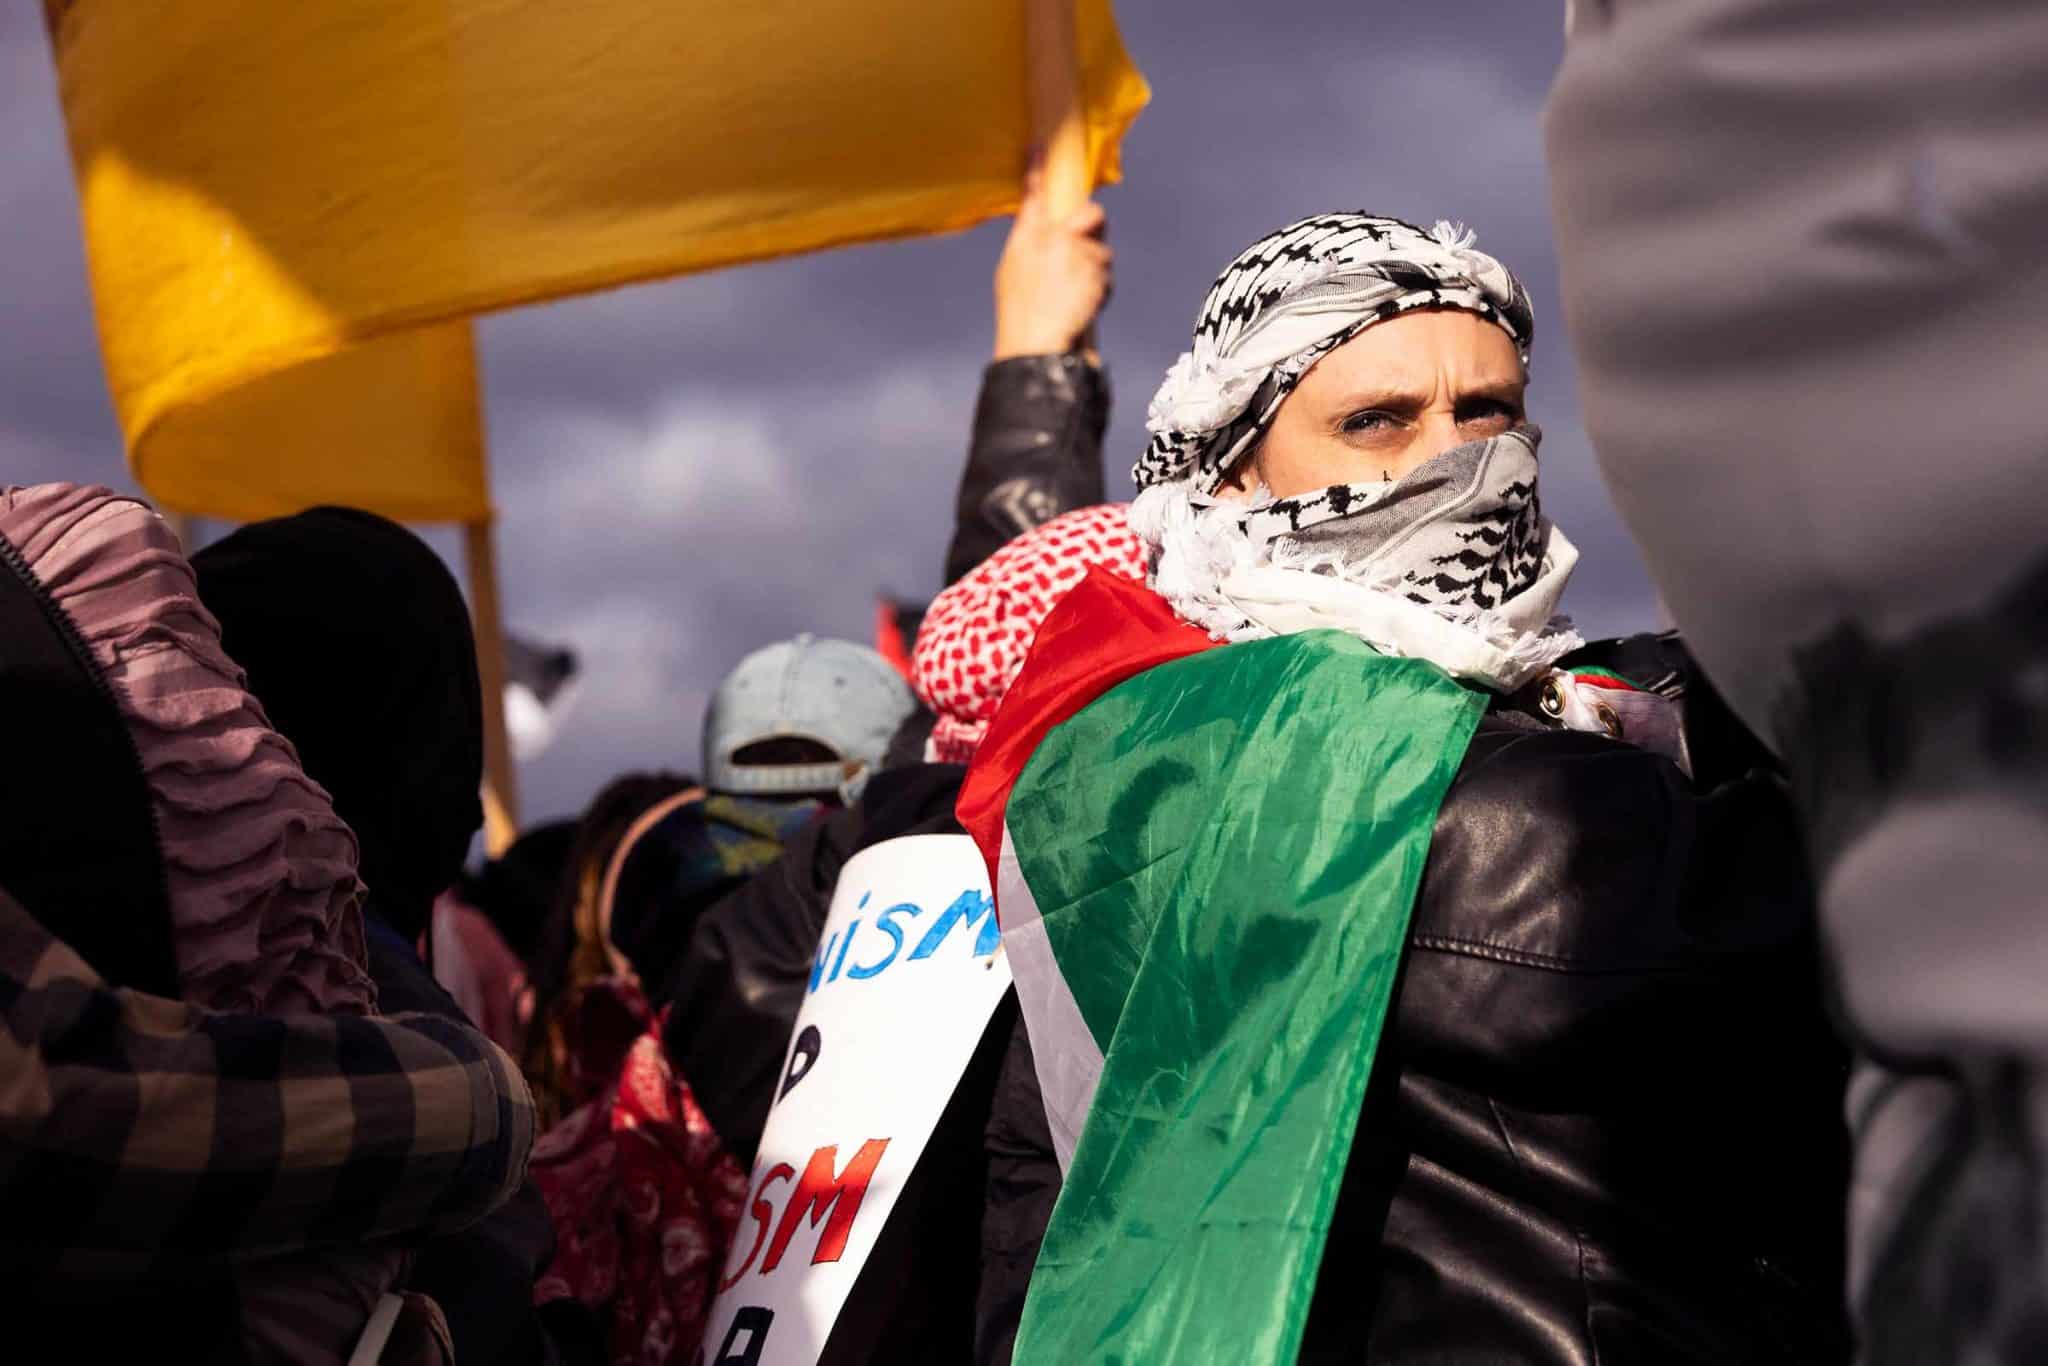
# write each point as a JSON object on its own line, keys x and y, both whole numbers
{"x": 803, "y": 718}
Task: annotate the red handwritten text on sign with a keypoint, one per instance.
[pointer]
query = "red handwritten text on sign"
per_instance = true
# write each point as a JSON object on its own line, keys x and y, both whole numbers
{"x": 827, "y": 1198}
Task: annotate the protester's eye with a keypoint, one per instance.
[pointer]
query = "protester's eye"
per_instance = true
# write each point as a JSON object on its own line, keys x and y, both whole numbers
{"x": 1372, "y": 422}
{"x": 1489, "y": 413}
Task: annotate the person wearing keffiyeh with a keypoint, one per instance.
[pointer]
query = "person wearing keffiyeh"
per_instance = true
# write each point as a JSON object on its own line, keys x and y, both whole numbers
{"x": 1352, "y": 408}
{"x": 1402, "y": 978}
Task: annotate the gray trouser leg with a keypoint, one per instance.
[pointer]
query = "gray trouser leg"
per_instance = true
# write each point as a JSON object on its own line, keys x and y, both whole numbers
{"x": 1805, "y": 256}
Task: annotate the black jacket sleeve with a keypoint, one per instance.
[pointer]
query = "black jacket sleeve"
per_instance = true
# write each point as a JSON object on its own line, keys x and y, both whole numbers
{"x": 735, "y": 993}
{"x": 1036, "y": 452}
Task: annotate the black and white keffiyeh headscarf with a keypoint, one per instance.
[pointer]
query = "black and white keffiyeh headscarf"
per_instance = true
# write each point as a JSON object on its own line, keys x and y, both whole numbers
{"x": 1454, "y": 562}
{"x": 1290, "y": 299}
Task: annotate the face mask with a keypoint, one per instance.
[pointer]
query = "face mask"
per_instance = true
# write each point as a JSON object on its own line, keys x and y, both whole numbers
{"x": 1463, "y": 529}
{"x": 1453, "y": 563}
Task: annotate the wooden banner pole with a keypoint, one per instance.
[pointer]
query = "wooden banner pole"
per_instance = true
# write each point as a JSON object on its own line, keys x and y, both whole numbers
{"x": 501, "y": 779}
{"x": 1059, "y": 123}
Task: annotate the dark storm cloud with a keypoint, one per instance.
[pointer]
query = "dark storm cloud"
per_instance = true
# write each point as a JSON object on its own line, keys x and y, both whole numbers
{"x": 691, "y": 469}
{"x": 54, "y": 418}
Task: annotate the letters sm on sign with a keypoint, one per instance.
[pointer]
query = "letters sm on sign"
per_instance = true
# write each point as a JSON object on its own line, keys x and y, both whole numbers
{"x": 905, "y": 980}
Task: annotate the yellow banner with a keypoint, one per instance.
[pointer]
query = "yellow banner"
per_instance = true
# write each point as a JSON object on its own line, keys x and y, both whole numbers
{"x": 290, "y": 206}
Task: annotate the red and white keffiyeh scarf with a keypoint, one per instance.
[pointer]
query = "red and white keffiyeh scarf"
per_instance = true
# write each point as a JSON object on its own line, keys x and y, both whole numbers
{"x": 976, "y": 634}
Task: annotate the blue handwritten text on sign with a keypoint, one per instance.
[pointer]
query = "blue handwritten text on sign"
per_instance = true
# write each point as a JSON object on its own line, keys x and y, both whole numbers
{"x": 883, "y": 941}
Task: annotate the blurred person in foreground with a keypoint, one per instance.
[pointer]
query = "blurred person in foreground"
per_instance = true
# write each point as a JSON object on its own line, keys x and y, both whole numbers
{"x": 160, "y": 826}
{"x": 1804, "y": 267}
{"x": 189, "y": 1126}
{"x": 1403, "y": 978}
{"x": 356, "y": 639}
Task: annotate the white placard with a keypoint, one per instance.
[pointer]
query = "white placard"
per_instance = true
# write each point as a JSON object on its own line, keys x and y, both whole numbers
{"x": 906, "y": 978}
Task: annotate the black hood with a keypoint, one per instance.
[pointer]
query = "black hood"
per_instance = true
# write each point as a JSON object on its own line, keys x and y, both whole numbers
{"x": 358, "y": 644}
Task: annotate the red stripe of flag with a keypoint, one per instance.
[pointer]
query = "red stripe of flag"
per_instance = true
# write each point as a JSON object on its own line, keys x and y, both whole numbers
{"x": 1105, "y": 630}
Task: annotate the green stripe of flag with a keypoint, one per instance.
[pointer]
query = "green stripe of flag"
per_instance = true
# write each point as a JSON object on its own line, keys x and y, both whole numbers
{"x": 1225, "y": 850}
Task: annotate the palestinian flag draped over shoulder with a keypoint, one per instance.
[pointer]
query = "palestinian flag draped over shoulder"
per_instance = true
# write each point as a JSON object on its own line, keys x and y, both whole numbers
{"x": 1204, "y": 859}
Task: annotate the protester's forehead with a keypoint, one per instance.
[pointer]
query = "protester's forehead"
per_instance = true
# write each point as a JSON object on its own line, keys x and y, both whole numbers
{"x": 1416, "y": 354}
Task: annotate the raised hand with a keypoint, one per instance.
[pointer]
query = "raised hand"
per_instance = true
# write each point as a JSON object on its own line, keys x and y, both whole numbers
{"x": 1054, "y": 276}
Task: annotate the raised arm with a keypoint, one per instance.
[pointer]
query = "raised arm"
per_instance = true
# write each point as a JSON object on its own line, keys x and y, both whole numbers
{"x": 1037, "y": 445}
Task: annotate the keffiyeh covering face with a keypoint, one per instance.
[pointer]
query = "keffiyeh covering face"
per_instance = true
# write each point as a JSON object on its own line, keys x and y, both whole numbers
{"x": 1290, "y": 299}
{"x": 1465, "y": 528}
{"x": 1454, "y": 562}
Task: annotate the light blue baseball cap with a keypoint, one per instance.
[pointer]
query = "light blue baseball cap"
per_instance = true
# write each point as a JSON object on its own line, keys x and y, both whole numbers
{"x": 843, "y": 696}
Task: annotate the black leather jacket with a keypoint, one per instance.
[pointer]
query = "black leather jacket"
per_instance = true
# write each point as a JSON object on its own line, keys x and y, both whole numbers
{"x": 1036, "y": 453}
{"x": 1605, "y": 1123}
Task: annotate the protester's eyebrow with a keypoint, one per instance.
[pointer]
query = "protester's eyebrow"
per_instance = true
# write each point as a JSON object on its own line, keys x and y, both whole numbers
{"x": 1389, "y": 397}
{"x": 1511, "y": 392}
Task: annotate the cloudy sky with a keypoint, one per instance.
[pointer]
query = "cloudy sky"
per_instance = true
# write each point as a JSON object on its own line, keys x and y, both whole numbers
{"x": 688, "y": 470}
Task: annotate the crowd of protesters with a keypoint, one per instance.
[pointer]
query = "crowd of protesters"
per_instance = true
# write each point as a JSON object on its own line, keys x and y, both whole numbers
{"x": 280, "y": 1077}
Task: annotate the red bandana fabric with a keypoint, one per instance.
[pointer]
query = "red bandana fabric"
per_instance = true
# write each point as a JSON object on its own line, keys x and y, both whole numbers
{"x": 645, "y": 1198}
{"x": 976, "y": 634}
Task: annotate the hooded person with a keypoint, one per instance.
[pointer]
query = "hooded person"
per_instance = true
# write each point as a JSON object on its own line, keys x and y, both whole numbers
{"x": 356, "y": 639}
{"x": 1402, "y": 978}
{"x": 235, "y": 847}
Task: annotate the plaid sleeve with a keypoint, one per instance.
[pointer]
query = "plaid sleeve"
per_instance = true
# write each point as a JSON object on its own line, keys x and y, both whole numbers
{"x": 140, "y": 1136}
